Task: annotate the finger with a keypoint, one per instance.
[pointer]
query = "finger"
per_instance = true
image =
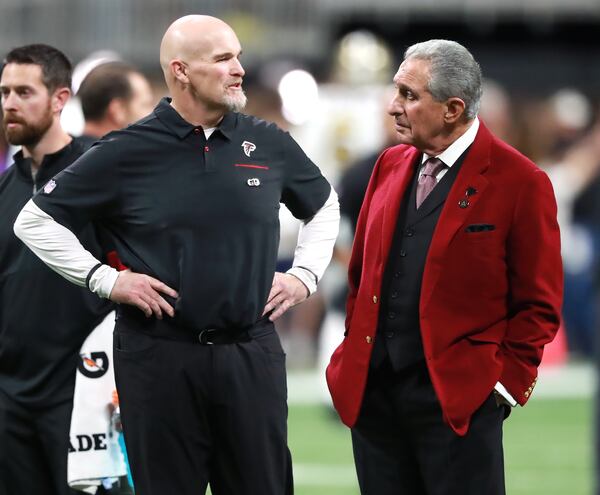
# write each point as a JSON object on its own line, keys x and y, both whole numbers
{"x": 142, "y": 305}
{"x": 162, "y": 287}
{"x": 165, "y": 306}
{"x": 273, "y": 303}
{"x": 154, "y": 306}
{"x": 268, "y": 308}
{"x": 275, "y": 291}
{"x": 283, "y": 307}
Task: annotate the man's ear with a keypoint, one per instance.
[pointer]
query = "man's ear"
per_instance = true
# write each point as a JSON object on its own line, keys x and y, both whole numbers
{"x": 59, "y": 99}
{"x": 179, "y": 70}
{"x": 455, "y": 109}
{"x": 117, "y": 112}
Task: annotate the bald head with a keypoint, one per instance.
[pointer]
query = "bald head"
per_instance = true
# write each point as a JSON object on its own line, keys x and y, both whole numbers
{"x": 190, "y": 37}
{"x": 200, "y": 57}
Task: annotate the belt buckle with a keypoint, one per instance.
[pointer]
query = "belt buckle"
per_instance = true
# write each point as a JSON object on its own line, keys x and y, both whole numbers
{"x": 205, "y": 334}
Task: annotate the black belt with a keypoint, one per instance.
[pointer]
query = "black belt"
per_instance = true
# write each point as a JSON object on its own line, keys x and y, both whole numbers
{"x": 134, "y": 320}
{"x": 219, "y": 336}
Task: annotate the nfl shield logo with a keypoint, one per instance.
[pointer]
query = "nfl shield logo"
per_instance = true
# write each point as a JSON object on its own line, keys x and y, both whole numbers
{"x": 49, "y": 187}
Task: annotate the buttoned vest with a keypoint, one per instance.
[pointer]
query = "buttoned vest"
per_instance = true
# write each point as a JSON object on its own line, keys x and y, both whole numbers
{"x": 398, "y": 332}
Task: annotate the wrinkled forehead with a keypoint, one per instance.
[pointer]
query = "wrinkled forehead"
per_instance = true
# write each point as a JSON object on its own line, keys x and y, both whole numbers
{"x": 412, "y": 71}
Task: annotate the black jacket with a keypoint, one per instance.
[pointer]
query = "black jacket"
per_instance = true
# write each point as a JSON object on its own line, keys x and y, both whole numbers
{"x": 44, "y": 319}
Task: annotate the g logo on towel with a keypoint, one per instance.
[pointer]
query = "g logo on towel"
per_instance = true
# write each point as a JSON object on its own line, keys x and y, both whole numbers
{"x": 93, "y": 364}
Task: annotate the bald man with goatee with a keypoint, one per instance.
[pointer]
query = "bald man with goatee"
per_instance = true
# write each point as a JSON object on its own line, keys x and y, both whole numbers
{"x": 190, "y": 197}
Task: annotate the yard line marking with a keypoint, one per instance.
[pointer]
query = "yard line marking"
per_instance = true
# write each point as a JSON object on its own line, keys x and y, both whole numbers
{"x": 307, "y": 387}
{"x": 324, "y": 474}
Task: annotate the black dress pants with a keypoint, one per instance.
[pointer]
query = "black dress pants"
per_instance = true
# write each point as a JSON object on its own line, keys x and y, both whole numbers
{"x": 197, "y": 414}
{"x": 34, "y": 448}
{"x": 402, "y": 446}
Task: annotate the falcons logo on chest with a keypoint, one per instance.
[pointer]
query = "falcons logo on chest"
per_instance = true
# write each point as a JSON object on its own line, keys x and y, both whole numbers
{"x": 248, "y": 147}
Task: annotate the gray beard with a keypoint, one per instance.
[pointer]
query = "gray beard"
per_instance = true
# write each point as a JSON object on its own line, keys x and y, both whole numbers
{"x": 235, "y": 104}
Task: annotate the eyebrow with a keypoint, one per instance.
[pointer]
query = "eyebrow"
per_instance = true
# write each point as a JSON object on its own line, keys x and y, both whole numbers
{"x": 17, "y": 88}
{"x": 226, "y": 54}
{"x": 404, "y": 87}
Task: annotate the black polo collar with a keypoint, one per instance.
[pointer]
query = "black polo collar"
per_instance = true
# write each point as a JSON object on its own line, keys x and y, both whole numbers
{"x": 48, "y": 166}
{"x": 182, "y": 128}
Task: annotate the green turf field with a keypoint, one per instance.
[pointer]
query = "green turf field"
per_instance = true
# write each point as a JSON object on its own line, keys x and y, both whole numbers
{"x": 548, "y": 450}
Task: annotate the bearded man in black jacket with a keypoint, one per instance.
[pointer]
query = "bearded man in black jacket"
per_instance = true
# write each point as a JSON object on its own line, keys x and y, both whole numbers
{"x": 44, "y": 319}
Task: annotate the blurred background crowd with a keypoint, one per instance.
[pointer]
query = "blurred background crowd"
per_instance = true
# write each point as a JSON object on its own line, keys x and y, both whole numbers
{"x": 322, "y": 69}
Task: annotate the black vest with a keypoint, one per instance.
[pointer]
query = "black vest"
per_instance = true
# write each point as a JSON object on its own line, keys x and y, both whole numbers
{"x": 398, "y": 331}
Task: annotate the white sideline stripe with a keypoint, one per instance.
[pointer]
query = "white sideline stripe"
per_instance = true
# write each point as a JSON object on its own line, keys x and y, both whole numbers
{"x": 556, "y": 382}
{"x": 324, "y": 475}
{"x": 567, "y": 381}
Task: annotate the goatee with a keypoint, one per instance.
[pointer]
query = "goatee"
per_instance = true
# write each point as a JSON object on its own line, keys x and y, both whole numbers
{"x": 236, "y": 103}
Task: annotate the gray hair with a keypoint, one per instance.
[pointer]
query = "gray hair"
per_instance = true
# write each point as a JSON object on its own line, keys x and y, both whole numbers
{"x": 453, "y": 72}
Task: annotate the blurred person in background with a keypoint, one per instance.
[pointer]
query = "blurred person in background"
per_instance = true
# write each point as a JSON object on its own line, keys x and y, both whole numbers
{"x": 43, "y": 318}
{"x": 298, "y": 327}
{"x": 190, "y": 196}
{"x": 497, "y": 111}
{"x": 351, "y": 189}
{"x": 455, "y": 288}
{"x": 569, "y": 157}
{"x": 577, "y": 176}
{"x": 354, "y": 181}
{"x": 113, "y": 95}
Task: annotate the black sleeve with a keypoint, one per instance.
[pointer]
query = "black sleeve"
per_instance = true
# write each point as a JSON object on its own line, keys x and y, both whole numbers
{"x": 87, "y": 190}
{"x": 305, "y": 189}
{"x": 353, "y": 186}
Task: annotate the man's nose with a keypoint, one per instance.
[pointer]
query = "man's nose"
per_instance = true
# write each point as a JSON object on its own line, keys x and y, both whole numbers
{"x": 9, "y": 101}
{"x": 394, "y": 108}
{"x": 237, "y": 69}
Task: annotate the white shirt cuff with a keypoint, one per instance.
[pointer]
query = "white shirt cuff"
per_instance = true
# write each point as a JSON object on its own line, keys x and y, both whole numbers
{"x": 103, "y": 280}
{"x": 306, "y": 277}
{"x": 501, "y": 389}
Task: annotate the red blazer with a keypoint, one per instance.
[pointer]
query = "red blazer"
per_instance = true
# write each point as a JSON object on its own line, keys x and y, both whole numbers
{"x": 490, "y": 300}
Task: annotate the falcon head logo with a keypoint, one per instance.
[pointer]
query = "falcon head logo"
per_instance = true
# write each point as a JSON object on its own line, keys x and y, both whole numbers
{"x": 248, "y": 147}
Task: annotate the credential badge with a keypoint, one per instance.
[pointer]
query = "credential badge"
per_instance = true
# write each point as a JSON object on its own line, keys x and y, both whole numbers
{"x": 248, "y": 147}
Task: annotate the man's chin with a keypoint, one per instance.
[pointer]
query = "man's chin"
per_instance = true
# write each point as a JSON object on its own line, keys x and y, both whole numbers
{"x": 21, "y": 137}
{"x": 14, "y": 136}
{"x": 404, "y": 137}
{"x": 236, "y": 103}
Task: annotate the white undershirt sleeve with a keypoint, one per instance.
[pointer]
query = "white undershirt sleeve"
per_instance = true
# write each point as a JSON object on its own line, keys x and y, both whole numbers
{"x": 316, "y": 239}
{"x": 60, "y": 249}
{"x": 501, "y": 389}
